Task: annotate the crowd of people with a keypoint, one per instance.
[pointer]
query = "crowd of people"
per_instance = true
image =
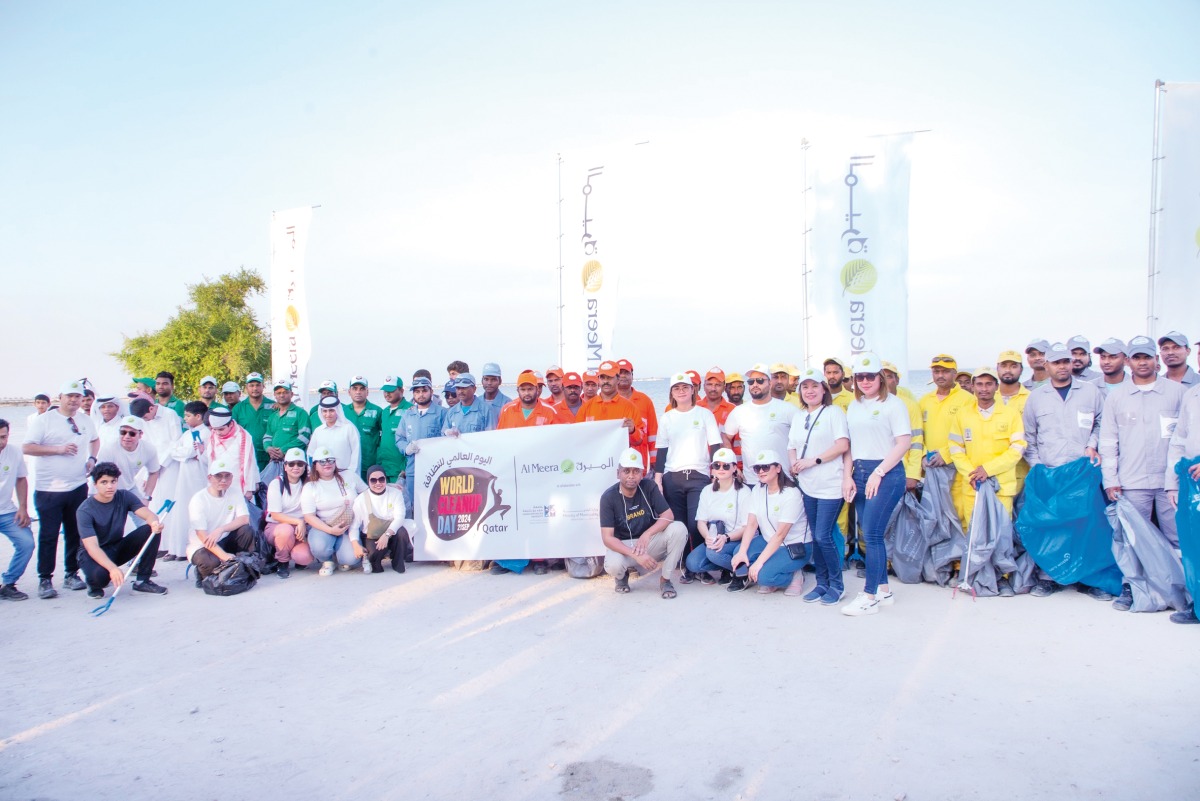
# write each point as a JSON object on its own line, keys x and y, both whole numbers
{"x": 743, "y": 479}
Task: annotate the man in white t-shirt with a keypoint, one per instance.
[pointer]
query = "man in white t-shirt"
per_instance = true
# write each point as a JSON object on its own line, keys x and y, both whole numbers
{"x": 220, "y": 522}
{"x": 132, "y": 456}
{"x": 338, "y": 435}
{"x": 63, "y": 443}
{"x": 106, "y": 417}
{"x": 14, "y": 515}
{"x": 762, "y": 424}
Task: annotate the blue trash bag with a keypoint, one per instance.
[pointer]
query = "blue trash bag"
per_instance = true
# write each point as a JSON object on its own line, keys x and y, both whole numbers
{"x": 1064, "y": 527}
{"x": 1187, "y": 521}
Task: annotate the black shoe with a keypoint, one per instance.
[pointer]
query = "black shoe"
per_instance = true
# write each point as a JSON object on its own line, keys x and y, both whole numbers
{"x": 540, "y": 569}
{"x": 725, "y": 578}
{"x": 1095, "y": 593}
{"x": 736, "y": 584}
{"x": 72, "y": 581}
{"x": 687, "y": 577}
{"x": 160, "y": 555}
{"x": 300, "y": 567}
{"x": 861, "y": 572}
{"x": 1186, "y": 617}
{"x": 149, "y": 586}
{"x": 1004, "y": 588}
{"x": 95, "y": 592}
{"x": 46, "y": 590}
{"x": 706, "y": 578}
{"x": 498, "y": 570}
{"x": 9, "y": 592}
{"x": 1045, "y": 588}
{"x": 282, "y": 571}
{"x": 1125, "y": 602}
{"x": 557, "y": 564}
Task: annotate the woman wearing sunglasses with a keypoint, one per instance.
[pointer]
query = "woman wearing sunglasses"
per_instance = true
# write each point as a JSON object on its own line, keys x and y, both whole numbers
{"x": 880, "y": 433}
{"x": 285, "y": 519}
{"x": 688, "y": 435}
{"x": 378, "y": 513}
{"x": 721, "y": 517}
{"x": 819, "y": 453}
{"x": 776, "y": 531}
{"x": 328, "y": 505}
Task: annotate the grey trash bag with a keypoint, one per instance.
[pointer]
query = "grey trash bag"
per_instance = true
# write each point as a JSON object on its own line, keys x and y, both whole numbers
{"x": 1149, "y": 565}
{"x": 1022, "y": 577}
{"x": 585, "y": 567}
{"x": 947, "y": 543}
{"x": 907, "y": 537}
{"x": 989, "y": 542}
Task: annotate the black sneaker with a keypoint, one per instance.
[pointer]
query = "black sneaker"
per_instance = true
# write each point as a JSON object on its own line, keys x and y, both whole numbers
{"x": 736, "y": 584}
{"x": 300, "y": 567}
{"x": 9, "y": 592}
{"x": 687, "y": 577}
{"x": 46, "y": 590}
{"x": 1186, "y": 617}
{"x": 1125, "y": 602}
{"x": 1095, "y": 593}
{"x": 72, "y": 581}
{"x": 1045, "y": 588}
{"x": 160, "y": 554}
{"x": 149, "y": 586}
{"x": 497, "y": 570}
{"x": 282, "y": 571}
{"x": 95, "y": 592}
{"x": 725, "y": 578}
{"x": 706, "y": 578}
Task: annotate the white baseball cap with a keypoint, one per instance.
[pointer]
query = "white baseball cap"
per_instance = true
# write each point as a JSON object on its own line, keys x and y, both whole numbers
{"x": 631, "y": 457}
{"x": 219, "y": 466}
{"x": 133, "y": 422}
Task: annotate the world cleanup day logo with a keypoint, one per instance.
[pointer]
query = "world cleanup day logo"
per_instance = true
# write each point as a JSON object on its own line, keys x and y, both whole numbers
{"x": 462, "y": 499}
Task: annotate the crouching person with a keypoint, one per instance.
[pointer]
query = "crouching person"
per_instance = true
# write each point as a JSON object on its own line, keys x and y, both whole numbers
{"x": 285, "y": 520}
{"x": 637, "y": 527}
{"x": 378, "y": 514}
{"x": 104, "y": 546}
{"x": 220, "y": 522}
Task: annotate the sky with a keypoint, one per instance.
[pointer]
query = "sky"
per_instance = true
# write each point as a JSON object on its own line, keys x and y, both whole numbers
{"x": 143, "y": 147}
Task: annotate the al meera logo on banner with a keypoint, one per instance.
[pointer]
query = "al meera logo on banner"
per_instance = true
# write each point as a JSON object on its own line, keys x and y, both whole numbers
{"x": 462, "y": 499}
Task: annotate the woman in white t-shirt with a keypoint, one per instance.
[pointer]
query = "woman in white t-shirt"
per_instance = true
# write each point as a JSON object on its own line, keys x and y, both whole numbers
{"x": 285, "y": 517}
{"x": 378, "y": 513}
{"x": 777, "y": 542}
{"x": 327, "y": 502}
{"x": 880, "y": 433}
{"x": 687, "y": 437}
{"x": 819, "y": 453}
{"x": 721, "y": 517}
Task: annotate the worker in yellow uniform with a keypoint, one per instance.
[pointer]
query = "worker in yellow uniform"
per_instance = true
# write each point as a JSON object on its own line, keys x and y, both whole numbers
{"x": 836, "y": 378}
{"x": 781, "y": 380}
{"x": 937, "y": 413}
{"x": 986, "y": 439}
{"x": 916, "y": 449}
{"x": 1013, "y": 394}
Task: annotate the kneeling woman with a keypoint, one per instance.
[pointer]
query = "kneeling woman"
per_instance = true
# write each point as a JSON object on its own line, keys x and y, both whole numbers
{"x": 776, "y": 529}
{"x": 721, "y": 518}
{"x": 327, "y": 502}
{"x": 286, "y": 528}
{"x": 378, "y": 514}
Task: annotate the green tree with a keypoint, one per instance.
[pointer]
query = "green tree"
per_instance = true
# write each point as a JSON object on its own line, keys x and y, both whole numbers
{"x": 215, "y": 334}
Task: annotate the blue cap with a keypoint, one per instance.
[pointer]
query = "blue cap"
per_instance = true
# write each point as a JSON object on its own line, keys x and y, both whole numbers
{"x": 450, "y": 389}
{"x": 492, "y": 369}
{"x": 421, "y": 381}
{"x": 464, "y": 380}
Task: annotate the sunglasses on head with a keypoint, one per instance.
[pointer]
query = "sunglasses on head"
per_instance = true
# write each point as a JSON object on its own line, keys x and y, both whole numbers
{"x": 756, "y": 380}
{"x": 722, "y": 466}
{"x": 865, "y": 376}
{"x": 762, "y": 468}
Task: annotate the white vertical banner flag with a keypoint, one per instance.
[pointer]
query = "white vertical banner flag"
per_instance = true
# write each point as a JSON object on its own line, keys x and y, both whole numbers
{"x": 291, "y": 343}
{"x": 1177, "y": 260}
{"x": 859, "y": 239}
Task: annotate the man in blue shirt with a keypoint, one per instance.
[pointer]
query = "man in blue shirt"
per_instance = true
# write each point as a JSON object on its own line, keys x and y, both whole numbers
{"x": 490, "y": 378}
{"x": 422, "y": 420}
{"x": 470, "y": 414}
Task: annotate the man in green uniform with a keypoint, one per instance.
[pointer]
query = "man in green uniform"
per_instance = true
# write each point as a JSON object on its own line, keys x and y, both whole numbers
{"x": 287, "y": 427}
{"x": 367, "y": 418}
{"x": 252, "y": 413}
{"x": 392, "y": 458}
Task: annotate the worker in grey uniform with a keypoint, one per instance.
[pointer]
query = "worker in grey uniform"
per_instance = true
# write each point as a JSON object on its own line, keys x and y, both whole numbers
{"x": 1185, "y": 444}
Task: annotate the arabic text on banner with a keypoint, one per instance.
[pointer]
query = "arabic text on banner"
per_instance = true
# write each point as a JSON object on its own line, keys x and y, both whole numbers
{"x": 291, "y": 343}
{"x": 525, "y": 493}
{"x": 1177, "y": 259}
{"x": 860, "y": 251}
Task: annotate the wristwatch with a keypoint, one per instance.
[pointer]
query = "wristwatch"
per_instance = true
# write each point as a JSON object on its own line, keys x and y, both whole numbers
{"x": 817, "y": 460}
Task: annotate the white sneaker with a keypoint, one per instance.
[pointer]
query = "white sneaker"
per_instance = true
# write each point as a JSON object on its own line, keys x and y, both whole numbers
{"x": 326, "y": 569}
{"x": 885, "y": 599}
{"x": 862, "y": 604}
{"x": 367, "y": 565}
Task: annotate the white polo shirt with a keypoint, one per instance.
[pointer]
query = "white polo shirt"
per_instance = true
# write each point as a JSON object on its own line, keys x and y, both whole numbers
{"x": 12, "y": 467}
{"x": 61, "y": 472}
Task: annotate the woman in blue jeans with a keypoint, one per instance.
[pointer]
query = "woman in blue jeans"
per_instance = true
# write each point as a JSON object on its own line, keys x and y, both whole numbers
{"x": 721, "y": 518}
{"x": 775, "y": 545}
{"x": 819, "y": 453}
{"x": 327, "y": 502}
{"x": 880, "y": 433}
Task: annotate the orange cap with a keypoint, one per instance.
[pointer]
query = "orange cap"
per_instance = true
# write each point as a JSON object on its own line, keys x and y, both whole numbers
{"x": 572, "y": 380}
{"x": 625, "y": 364}
{"x": 554, "y": 369}
{"x": 528, "y": 377}
{"x": 607, "y": 368}
{"x": 591, "y": 376}
{"x": 692, "y": 374}
{"x": 715, "y": 372}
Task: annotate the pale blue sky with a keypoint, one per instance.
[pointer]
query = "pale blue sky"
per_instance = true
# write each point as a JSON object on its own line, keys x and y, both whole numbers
{"x": 144, "y": 145}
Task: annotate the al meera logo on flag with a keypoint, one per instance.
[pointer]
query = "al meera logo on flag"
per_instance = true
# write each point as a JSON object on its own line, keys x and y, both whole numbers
{"x": 461, "y": 499}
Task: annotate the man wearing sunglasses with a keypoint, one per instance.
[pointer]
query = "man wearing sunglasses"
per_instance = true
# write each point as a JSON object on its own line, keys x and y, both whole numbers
{"x": 132, "y": 457}
{"x": 64, "y": 444}
{"x": 422, "y": 420}
{"x": 762, "y": 424}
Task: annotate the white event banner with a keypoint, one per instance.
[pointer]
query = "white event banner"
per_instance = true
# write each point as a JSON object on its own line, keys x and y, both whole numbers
{"x": 521, "y": 493}
{"x": 1177, "y": 259}
{"x": 859, "y": 240}
{"x": 291, "y": 341}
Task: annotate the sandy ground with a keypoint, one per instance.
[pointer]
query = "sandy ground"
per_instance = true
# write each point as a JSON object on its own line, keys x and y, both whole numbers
{"x": 438, "y": 684}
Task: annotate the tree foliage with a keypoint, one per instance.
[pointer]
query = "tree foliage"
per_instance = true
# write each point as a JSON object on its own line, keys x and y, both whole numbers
{"x": 215, "y": 334}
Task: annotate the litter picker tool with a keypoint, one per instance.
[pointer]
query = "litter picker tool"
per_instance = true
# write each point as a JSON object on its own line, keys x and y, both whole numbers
{"x": 102, "y": 608}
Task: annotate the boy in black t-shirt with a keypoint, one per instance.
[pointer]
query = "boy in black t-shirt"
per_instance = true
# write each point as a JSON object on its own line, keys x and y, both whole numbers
{"x": 103, "y": 543}
{"x": 637, "y": 527}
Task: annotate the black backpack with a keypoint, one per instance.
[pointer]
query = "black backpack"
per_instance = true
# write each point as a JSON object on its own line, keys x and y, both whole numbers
{"x": 235, "y": 576}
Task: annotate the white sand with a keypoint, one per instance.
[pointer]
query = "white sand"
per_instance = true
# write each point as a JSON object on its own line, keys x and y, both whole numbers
{"x": 438, "y": 684}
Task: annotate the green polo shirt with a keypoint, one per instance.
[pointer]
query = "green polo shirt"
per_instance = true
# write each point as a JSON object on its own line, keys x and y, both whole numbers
{"x": 368, "y": 422}
{"x": 392, "y": 458}
{"x": 287, "y": 430}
